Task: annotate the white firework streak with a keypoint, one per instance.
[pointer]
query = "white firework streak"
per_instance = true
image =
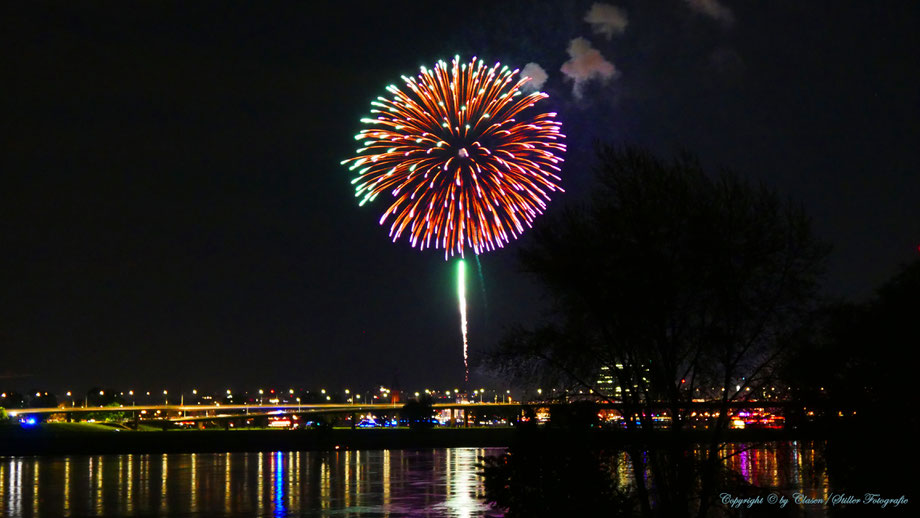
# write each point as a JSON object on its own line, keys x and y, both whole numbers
{"x": 461, "y": 296}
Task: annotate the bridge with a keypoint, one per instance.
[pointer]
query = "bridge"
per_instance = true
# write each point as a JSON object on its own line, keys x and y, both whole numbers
{"x": 244, "y": 410}
{"x": 237, "y": 410}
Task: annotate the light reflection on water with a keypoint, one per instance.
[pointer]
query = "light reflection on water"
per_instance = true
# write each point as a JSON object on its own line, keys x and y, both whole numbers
{"x": 369, "y": 483}
{"x": 440, "y": 482}
{"x": 789, "y": 467}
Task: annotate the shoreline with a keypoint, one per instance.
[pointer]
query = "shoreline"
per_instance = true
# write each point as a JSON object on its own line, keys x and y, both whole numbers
{"x": 19, "y": 442}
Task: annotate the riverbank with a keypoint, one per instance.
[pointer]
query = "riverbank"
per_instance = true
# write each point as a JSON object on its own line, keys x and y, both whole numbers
{"x": 60, "y": 441}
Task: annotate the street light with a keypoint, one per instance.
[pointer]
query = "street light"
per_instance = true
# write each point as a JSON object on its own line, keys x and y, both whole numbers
{"x": 260, "y": 396}
{"x": 165, "y": 397}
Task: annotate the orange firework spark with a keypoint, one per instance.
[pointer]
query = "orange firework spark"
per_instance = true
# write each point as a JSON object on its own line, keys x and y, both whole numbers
{"x": 466, "y": 165}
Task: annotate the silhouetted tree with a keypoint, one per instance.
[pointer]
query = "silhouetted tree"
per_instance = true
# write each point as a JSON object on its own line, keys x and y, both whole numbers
{"x": 109, "y": 416}
{"x": 864, "y": 351}
{"x": 41, "y": 399}
{"x": 683, "y": 285}
{"x": 13, "y": 400}
{"x": 577, "y": 415}
{"x": 532, "y": 480}
{"x": 864, "y": 357}
{"x": 419, "y": 413}
{"x": 97, "y": 396}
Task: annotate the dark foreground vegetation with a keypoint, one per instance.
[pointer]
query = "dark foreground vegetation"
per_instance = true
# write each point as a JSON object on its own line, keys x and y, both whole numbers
{"x": 673, "y": 285}
{"x": 65, "y": 438}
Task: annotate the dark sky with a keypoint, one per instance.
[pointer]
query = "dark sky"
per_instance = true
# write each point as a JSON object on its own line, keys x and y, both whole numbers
{"x": 173, "y": 212}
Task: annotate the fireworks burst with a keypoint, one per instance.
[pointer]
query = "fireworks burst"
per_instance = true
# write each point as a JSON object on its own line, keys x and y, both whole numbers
{"x": 466, "y": 165}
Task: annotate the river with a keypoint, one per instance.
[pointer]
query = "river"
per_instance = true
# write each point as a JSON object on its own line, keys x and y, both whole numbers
{"x": 369, "y": 483}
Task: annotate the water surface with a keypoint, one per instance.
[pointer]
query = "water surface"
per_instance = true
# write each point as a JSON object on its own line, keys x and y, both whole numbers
{"x": 440, "y": 482}
{"x": 364, "y": 483}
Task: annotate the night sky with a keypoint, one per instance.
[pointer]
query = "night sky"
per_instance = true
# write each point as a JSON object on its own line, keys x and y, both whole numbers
{"x": 173, "y": 213}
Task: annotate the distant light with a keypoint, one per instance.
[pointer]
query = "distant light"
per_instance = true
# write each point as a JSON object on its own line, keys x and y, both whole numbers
{"x": 38, "y": 394}
{"x": 101, "y": 392}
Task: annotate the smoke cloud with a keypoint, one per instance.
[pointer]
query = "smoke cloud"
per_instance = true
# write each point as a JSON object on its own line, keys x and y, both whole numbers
{"x": 537, "y": 77}
{"x": 586, "y": 63}
{"x": 713, "y": 9}
{"x": 606, "y": 19}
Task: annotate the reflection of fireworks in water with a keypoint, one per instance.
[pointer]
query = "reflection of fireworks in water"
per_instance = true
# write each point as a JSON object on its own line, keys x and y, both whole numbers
{"x": 461, "y": 297}
{"x": 466, "y": 164}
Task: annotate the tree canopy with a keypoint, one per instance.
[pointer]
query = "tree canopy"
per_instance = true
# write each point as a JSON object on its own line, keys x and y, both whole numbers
{"x": 680, "y": 283}
{"x": 671, "y": 285}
